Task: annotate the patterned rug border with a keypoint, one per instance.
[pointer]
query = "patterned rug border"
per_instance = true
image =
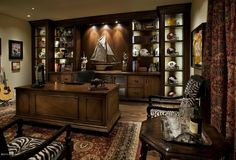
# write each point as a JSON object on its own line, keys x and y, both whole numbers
{"x": 131, "y": 148}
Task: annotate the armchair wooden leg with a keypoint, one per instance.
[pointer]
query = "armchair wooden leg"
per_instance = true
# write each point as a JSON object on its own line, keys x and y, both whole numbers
{"x": 19, "y": 131}
{"x": 144, "y": 151}
{"x": 69, "y": 144}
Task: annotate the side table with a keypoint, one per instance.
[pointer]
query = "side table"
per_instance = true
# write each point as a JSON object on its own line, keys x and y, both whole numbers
{"x": 150, "y": 136}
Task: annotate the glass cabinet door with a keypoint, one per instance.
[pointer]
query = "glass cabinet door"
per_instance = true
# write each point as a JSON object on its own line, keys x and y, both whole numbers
{"x": 145, "y": 45}
{"x": 174, "y": 54}
{"x": 63, "y": 49}
{"x": 40, "y": 53}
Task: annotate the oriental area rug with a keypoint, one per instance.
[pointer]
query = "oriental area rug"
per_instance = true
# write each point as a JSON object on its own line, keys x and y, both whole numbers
{"x": 122, "y": 143}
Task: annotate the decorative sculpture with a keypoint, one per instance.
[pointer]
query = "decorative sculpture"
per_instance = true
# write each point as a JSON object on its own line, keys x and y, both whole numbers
{"x": 124, "y": 62}
{"x": 97, "y": 83}
{"x": 83, "y": 63}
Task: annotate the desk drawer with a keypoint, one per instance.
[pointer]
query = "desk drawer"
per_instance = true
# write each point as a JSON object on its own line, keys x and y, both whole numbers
{"x": 135, "y": 81}
{"x": 106, "y": 78}
{"x": 66, "y": 78}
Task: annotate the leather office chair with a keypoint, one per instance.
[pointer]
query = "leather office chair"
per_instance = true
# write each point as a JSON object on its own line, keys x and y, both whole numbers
{"x": 159, "y": 105}
{"x": 85, "y": 76}
{"x": 24, "y": 147}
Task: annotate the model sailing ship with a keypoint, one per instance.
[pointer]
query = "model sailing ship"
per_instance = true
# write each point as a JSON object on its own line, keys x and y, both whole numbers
{"x": 103, "y": 55}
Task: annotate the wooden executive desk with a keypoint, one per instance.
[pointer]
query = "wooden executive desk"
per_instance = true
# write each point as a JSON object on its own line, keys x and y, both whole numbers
{"x": 62, "y": 104}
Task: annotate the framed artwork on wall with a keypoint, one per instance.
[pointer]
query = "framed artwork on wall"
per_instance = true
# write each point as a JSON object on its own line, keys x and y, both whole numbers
{"x": 15, "y": 66}
{"x": 0, "y": 46}
{"x": 15, "y": 49}
{"x": 197, "y": 42}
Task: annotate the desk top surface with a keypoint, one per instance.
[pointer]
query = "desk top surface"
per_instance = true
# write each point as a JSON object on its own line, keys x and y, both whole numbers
{"x": 81, "y": 88}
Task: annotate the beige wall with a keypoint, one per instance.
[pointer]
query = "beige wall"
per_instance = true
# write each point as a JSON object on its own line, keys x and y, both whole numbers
{"x": 16, "y": 29}
{"x": 198, "y": 16}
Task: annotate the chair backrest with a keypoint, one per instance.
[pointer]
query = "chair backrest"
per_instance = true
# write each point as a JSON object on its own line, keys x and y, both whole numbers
{"x": 169, "y": 106}
{"x": 193, "y": 89}
{"x": 85, "y": 76}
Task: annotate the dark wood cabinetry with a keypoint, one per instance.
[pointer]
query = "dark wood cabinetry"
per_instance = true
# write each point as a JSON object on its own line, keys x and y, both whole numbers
{"x": 145, "y": 44}
{"x": 152, "y": 40}
{"x": 64, "y": 48}
{"x": 136, "y": 86}
{"x": 175, "y": 43}
{"x": 42, "y": 48}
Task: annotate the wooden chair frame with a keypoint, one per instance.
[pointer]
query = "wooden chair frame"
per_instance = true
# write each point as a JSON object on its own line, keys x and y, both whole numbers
{"x": 66, "y": 151}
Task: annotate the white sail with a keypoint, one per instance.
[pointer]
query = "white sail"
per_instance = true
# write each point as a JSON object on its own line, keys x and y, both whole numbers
{"x": 102, "y": 51}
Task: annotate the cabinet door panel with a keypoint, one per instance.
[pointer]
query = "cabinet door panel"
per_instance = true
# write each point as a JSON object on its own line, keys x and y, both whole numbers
{"x": 175, "y": 29}
{"x": 56, "y": 106}
{"x": 92, "y": 109}
{"x": 54, "y": 78}
{"x": 106, "y": 78}
{"x": 66, "y": 78}
{"x": 135, "y": 92}
{"x": 23, "y": 101}
{"x": 152, "y": 86}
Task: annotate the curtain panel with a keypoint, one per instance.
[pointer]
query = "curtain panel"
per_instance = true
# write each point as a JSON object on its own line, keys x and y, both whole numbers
{"x": 219, "y": 59}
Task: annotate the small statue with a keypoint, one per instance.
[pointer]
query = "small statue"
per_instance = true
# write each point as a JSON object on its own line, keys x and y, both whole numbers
{"x": 124, "y": 62}
{"x": 83, "y": 63}
{"x": 96, "y": 82}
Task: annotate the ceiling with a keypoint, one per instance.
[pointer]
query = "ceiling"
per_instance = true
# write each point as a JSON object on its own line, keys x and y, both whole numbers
{"x": 67, "y": 9}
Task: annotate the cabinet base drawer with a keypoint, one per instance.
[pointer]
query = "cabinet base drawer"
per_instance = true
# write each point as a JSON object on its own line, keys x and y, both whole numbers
{"x": 135, "y": 81}
{"x": 135, "y": 92}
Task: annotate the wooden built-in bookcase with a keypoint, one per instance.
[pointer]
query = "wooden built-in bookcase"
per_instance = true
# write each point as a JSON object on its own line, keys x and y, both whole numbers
{"x": 142, "y": 36}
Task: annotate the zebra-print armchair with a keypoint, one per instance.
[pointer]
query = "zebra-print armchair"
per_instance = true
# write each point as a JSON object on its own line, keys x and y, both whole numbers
{"x": 161, "y": 105}
{"x": 24, "y": 147}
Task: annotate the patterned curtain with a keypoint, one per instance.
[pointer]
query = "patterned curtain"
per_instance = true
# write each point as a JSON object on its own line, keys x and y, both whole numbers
{"x": 219, "y": 60}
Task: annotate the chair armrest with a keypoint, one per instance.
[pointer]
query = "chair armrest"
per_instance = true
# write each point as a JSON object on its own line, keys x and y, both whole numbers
{"x": 164, "y": 97}
{"x": 32, "y": 152}
{"x": 161, "y": 111}
{"x": 9, "y": 125}
{"x": 3, "y": 144}
{"x": 164, "y": 100}
{"x": 18, "y": 122}
{"x": 157, "y": 97}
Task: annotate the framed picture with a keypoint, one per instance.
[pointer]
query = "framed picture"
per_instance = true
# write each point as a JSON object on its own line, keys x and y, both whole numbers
{"x": 15, "y": 49}
{"x": 197, "y": 42}
{"x": 15, "y": 66}
{"x": 0, "y": 46}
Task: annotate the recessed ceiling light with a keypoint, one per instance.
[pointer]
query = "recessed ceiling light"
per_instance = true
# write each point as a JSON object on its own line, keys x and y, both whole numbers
{"x": 28, "y": 15}
{"x": 33, "y": 8}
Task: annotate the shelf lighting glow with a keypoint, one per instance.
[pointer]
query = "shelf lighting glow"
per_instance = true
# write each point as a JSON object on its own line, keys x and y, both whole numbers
{"x": 93, "y": 27}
